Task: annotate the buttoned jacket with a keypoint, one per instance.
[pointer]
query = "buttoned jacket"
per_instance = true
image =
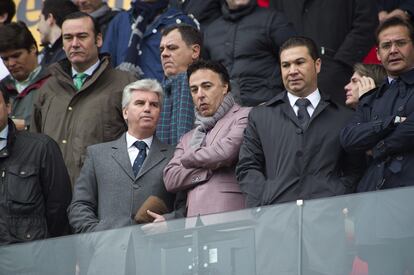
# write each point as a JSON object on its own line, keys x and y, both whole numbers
{"x": 372, "y": 129}
{"x": 107, "y": 194}
{"x": 76, "y": 119}
{"x": 280, "y": 161}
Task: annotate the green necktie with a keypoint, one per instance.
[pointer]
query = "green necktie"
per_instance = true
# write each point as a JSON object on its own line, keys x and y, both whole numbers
{"x": 79, "y": 79}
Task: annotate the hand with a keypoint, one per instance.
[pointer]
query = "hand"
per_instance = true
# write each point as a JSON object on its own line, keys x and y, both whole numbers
{"x": 365, "y": 84}
{"x": 398, "y": 13}
{"x": 382, "y": 16}
{"x": 369, "y": 153}
{"x": 157, "y": 217}
{"x": 157, "y": 226}
{"x": 19, "y": 123}
{"x": 403, "y": 118}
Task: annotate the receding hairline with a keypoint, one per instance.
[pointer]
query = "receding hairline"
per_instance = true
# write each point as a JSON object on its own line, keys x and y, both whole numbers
{"x": 80, "y": 18}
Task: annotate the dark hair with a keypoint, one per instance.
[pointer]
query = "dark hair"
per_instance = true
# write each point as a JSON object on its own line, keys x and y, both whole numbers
{"x": 6, "y": 95}
{"x": 393, "y": 22}
{"x": 211, "y": 65}
{"x": 79, "y": 14}
{"x": 15, "y": 36}
{"x": 297, "y": 41}
{"x": 190, "y": 34}
{"x": 59, "y": 9}
{"x": 8, "y": 6}
{"x": 375, "y": 71}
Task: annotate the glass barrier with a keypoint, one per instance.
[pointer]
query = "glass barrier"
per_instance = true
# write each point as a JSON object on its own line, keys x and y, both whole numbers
{"x": 360, "y": 234}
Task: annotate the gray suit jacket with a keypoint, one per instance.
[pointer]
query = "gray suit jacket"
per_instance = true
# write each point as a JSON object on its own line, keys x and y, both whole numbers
{"x": 107, "y": 195}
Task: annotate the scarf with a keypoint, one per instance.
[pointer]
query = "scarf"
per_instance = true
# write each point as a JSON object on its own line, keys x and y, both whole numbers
{"x": 205, "y": 124}
{"x": 101, "y": 11}
{"x": 143, "y": 13}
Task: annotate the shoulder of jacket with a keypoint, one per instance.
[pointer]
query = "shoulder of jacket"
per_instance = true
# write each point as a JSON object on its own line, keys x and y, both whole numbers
{"x": 34, "y": 138}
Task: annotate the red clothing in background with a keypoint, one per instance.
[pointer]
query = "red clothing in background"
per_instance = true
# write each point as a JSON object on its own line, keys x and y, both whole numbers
{"x": 263, "y": 3}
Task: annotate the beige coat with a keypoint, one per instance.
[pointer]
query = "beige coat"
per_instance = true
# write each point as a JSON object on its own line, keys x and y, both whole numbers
{"x": 77, "y": 119}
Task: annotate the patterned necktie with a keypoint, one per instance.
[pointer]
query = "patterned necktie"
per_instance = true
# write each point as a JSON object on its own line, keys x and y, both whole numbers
{"x": 79, "y": 79}
{"x": 303, "y": 114}
{"x": 142, "y": 147}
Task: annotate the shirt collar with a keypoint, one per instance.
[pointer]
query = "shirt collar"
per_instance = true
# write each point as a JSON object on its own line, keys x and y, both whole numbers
{"x": 21, "y": 85}
{"x": 131, "y": 140}
{"x": 314, "y": 98}
{"x": 4, "y": 132}
{"x": 89, "y": 71}
{"x": 390, "y": 79}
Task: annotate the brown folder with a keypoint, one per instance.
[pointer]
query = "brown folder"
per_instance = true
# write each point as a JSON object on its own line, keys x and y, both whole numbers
{"x": 154, "y": 204}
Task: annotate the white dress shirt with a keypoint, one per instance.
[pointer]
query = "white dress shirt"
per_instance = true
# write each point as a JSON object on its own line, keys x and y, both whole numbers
{"x": 89, "y": 71}
{"x": 314, "y": 99}
{"x": 3, "y": 135}
{"x": 132, "y": 150}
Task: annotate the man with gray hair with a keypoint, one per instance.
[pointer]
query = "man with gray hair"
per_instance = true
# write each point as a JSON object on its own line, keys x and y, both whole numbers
{"x": 122, "y": 179}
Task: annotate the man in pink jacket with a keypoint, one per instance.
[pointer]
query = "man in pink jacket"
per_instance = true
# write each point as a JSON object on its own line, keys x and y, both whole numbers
{"x": 204, "y": 161}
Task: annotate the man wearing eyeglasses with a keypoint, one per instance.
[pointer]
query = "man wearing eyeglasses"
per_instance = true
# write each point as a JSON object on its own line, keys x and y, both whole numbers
{"x": 383, "y": 125}
{"x": 383, "y": 128}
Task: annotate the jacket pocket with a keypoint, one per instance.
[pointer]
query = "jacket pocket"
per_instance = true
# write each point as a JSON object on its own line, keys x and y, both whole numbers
{"x": 28, "y": 228}
{"x": 230, "y": 188}
{"x": 23, "y": 189}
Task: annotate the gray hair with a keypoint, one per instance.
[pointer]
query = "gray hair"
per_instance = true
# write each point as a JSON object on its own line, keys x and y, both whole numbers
{"x": 147, "y": 85}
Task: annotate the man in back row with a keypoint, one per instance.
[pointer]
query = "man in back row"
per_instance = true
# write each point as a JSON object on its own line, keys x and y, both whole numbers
{"x": 80, "y": 104}
{"x": 180, "y": 46}
{"x": 7, "y": 11}
{"x": 50, "y": 29}
{"x": 18, "y": 49}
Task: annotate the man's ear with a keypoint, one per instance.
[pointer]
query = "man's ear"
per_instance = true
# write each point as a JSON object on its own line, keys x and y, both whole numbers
{"x": 318, "y": 64}
{"x": 125, "y": 113}
{"x": 196, "y": 51}
{"x": 9, "y": 108}
{"x": 378, "y": 56}
{"x": 3, "y": 17}
{"x": 32, "y": 49}
{"x": 226, "y": 89}
{"x": 50, "y": 19}
{"x": 99, "y": 40}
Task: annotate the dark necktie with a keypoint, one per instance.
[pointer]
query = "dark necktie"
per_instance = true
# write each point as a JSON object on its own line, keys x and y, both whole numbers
{"x": 142, "y": 147}
{"x": 303, "y": 114}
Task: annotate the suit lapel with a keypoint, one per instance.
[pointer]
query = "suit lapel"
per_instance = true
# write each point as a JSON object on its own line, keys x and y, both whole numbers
{"x": 120, "y": 155}
{"x": 220, "y": 124}
{"x": 155, "y": 156}
{"x": 288, "y": 111}
{"x": 321, "y": 106}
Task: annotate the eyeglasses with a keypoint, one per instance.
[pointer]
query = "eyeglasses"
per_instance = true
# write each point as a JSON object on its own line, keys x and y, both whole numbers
{"x": 386, "y": 46}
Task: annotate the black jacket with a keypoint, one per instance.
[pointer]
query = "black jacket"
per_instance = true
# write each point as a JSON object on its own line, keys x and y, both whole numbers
{"x": 343, "y": 29}
{"x": 204, "y": 11}
{"x": 280, "y": 162}
{"x": 52, "y": 53}
{"x": 247, "y": 42}
{"x": 35, "y": 188}
{"x": 392, "y": 145}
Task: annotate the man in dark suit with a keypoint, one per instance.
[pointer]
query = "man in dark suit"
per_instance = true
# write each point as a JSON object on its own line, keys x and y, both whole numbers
{"x": 291, "y": 151}
{"x": 123, "y": 178}
{"x": 383, "y": 129}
